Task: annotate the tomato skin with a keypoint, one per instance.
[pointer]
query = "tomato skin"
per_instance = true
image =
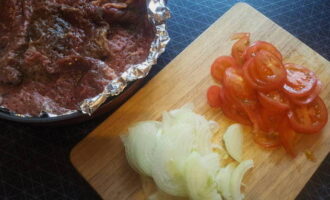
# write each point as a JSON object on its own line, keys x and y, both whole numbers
{"x": 300, "y": 81}
{"x": 232, "y": 109}
{"x": 264, "y": 82}
{"x": 240, "y": 46}
{"x": 287, "y": 137}
{"x": 269, "y": 69}
{"x": 237, "y": 87}
{"x": 309, "y": 98}
{"x": 309, "y": 118}
{"x": 274, "y": 101}
{"x": 220, "y": 65}
{"x": 213, "y": 96}
{"x": 257, "y": 46}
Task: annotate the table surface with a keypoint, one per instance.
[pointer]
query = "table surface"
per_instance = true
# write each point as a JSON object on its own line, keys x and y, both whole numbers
{"x": 34, "y": 161}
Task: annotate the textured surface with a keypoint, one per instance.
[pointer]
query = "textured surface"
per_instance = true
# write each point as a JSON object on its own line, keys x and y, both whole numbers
{"x": 100, "y": 157}
{"x": 34, "y": 162}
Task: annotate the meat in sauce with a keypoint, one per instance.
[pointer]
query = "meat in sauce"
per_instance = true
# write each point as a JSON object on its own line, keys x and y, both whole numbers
{"x": 56, "y": 53}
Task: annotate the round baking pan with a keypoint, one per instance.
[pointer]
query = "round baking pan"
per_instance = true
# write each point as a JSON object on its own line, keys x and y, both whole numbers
{"x": 111, "y": 104}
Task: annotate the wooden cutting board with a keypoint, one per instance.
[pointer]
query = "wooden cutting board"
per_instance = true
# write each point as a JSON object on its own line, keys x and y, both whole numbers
{"x": 100, "y": 156}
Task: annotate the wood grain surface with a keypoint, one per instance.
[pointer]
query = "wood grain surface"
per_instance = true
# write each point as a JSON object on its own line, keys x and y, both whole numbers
{"x": 100, "y": 156}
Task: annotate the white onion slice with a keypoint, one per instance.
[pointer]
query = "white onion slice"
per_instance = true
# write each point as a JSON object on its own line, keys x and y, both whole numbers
{"x": 223, "y": 179}
{"x": 199, "y": 178}
{"x": 237, "y": 177}
{"x": 233, "y": 139}
{"x": 140, "y": 144}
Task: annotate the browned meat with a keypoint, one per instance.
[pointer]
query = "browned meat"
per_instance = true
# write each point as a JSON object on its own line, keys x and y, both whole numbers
{"x": 56, "y": 53}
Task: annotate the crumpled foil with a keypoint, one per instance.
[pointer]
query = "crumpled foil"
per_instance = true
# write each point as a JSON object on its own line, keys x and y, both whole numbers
{"x": 158, "y": 13}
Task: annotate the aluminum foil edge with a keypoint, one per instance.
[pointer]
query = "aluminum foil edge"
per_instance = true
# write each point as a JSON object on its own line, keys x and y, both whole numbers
{"x": 158, "y": 13}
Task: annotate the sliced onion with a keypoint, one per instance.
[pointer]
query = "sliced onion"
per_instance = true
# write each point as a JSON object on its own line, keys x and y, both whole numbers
{"x": 178, "y": 154}
{"x": 160, "y": 195}
{"x": 233, "y": 139}
{"x": 223, "y": 180}
{"x": 237, "y": 177}
{"x": 199, "y": 179}
{"x": 140, "y": 144}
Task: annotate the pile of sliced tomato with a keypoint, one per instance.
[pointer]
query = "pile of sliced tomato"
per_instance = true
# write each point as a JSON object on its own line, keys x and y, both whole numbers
{"x": 277, "y": 99}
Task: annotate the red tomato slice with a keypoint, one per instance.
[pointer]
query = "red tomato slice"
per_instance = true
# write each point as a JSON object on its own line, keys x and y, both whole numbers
{"x": 261, "y": 45}
{"x": 213, "y": 96}
{"x": 220, "y": 65}
{"x": 274, "y": 101}
{"x": 265, "y": 125}
{"x": 287, "y": 137}
{"x": 237, "y": 87}
{"x": 237, "y": 36}
{"x": 233, "y": 110}
{"x": 309, "y": 98}
{"x": 264, "y": 72}
{"x": 309, "y": 118}
{"x": 300, "y": 81}
{"x": 269, "y": 68}
{"x": 239, "y": 47}
{"x": 267, "y": 139}
{"x": 267, "y": 121}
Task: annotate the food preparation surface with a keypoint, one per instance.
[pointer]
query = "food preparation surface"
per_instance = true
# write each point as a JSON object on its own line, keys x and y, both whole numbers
{"x": 100, "y": 156}
{"x": 34, "y": 161}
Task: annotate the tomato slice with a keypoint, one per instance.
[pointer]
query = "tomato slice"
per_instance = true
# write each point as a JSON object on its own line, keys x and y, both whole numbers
{"x": 287, "y": 137}
{"x": 265, "y": 126}
{"x": 269, "y": 68}
{"x": 237, "y": 87}
{"x": 300, "y": 81}
{"x": 309, "y": 98}
{"x": 256, "y": 47}
{"x": 237, "y": 36}
{"x": 220, "y": 65}
{"x": 240, "y": 46}
{"x": 264, "y": 72}
{"x": 232, "y": 109}
{"x": 274, "y": 101}
{"x": 269, "y": 121}
{"x": 267, "y": 139}
{"x": 213, "y": 96}
{"x": 309, "y": 118}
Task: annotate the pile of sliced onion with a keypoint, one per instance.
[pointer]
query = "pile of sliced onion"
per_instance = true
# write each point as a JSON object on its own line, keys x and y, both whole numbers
{"x": 177, "y": 153}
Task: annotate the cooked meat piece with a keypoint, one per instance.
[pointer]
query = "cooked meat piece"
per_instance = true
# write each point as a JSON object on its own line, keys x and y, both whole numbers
{"x": 56, "y": 53}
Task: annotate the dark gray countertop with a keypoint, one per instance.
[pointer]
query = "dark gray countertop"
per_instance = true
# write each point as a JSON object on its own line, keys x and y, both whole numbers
{"x": 34, "y": 161}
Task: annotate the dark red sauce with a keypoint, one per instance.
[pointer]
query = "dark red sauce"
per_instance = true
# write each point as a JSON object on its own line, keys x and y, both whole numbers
{"x": 56, "y": 53}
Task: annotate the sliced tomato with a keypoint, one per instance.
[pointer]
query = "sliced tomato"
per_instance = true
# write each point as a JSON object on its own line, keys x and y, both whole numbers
{"x": 309, "y": 118}
{"x": 269, "y": 68}
{"x": 287, "y": 137}
{"x": 256, "y": 47}
{"x": 267, "y": 121}
{"x": 309, "y": 98}
{"x": 274, "y": 101}
{"x": 237, "y": 87}
{"x": 300, "y": 81}
{"x": 220, "y": 65}
{"x": 213, "y": 96}
{"x": 240, "y": 46}
{"x": 237, "y": 36}
{"x": 264, "y": 72}
{"x": 267, "y": 139}
{"x": 232, "y": 109}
